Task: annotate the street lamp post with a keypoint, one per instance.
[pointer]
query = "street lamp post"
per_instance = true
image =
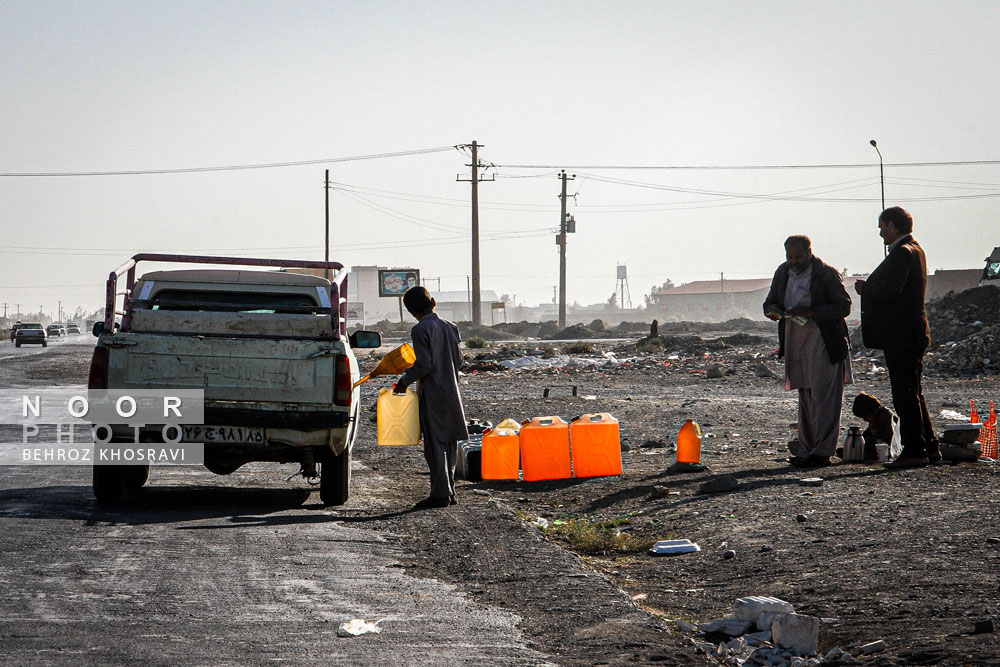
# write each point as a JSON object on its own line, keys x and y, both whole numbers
{"x": 881, "y": 172}
{"x": 881, "y": 178}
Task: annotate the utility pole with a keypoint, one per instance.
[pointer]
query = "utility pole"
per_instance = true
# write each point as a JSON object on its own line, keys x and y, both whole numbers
{"x": 561, "y": 240}
{"x": 59, "y": 312}
{"x": 477, "y": 314}
{"x": 5, "y": 310}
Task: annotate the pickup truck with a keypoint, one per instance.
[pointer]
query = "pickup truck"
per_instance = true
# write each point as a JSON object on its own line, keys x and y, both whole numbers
{"x": 268, "y": 348}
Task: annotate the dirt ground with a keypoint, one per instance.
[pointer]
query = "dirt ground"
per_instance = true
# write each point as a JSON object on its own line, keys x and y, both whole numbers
{"x": 909, "y": 557}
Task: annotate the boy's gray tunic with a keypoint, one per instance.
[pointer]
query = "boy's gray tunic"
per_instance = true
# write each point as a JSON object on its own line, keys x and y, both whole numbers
{"x": 442, "y": 418}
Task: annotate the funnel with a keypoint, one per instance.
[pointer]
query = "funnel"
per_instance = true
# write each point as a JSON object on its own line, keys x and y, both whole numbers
{"x": 393, "y": 363}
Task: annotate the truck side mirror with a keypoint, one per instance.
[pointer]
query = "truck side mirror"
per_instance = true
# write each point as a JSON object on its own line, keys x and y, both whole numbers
{"x": 362, "y": 339}
{"x": 98, "y": 328}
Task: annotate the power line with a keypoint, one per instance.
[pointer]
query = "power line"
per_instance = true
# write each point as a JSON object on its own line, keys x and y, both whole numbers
{"x": 238, "y": 167}
{"x": 956, "y": 163}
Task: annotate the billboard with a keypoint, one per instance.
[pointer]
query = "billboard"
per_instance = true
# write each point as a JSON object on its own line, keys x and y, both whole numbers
{"x": 395, "y": 282}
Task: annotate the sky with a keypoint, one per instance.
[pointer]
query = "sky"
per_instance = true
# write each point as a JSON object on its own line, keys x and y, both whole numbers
{"x": 700, "y": 136}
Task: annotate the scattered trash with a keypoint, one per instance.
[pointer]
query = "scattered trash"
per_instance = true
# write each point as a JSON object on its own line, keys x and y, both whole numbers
{"x": 548, "y": 390}
{"x": 685, "y": 626}
{"x": 872, "y": 647}
{"x": 660, "y": 491}
{"x": 639, "y": 597}
{"x": 357, "y": 626}
{"x": 762, "y": 371}
{"x": 801, "y": 518}
{"x": 730, "y": 625}
{"x": 541, "y": 523}
{"x": 674, "y": 547}
{"x": 796, "y": 632}
{"x": 719, "y": 484}
{"x": 751, "y": 607}
{"x": 983, "y": 627}
{"x": 811, "y": 481}
{"x": 728, "y": 554}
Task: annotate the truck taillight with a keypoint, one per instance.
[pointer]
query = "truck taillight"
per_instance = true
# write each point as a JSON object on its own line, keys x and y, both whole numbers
{"x": 343, "y": 387}
{"x": 98, "y": 378}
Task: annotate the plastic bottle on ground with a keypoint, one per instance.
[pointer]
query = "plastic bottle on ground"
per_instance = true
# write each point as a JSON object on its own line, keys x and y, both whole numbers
{"x": 689, "y": 443}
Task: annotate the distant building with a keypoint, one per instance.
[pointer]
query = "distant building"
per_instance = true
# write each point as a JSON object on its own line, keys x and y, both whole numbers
{"x": 721, "y": 300}
{"x": 455, "y": 306}
{"x": 943, "y": 281}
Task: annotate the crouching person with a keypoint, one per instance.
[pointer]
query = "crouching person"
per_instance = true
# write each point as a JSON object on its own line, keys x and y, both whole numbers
{"x": 882, "y": 425}
{"x": 442, "y": 417}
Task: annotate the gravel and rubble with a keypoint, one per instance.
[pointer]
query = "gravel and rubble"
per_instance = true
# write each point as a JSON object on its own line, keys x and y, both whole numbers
{"x": 965, "y": 334}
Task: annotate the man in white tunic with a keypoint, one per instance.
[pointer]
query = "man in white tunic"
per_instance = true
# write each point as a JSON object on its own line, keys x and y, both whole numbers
{"x": 808, "y": 300}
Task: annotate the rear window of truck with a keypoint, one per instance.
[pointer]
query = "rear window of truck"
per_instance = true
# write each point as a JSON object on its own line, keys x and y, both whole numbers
{"x": 243, "y": 302}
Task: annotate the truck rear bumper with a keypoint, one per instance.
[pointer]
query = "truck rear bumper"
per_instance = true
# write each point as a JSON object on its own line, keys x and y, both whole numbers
{"x": 301, "y": 420}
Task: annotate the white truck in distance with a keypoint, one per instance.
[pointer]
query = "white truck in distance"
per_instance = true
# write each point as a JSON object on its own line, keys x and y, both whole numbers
{"x": 269, "y": 349}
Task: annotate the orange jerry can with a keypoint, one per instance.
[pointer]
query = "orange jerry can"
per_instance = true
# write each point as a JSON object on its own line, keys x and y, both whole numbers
{"x": 501, "y": 454}
{"x": 545, "y": 449}
{"x": 597, "y": 447}
{"x": 689, "y": 443}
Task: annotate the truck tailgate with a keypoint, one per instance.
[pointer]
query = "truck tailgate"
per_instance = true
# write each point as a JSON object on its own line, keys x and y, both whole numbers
{"x": 227, "y": 369}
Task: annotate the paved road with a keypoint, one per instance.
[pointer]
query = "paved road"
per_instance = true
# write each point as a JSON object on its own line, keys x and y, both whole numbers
{"x": 210, "y": 571}
{"x": 203, "y": 569}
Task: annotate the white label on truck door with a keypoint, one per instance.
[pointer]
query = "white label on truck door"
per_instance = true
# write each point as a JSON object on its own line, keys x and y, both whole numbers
{"x": 236, "y": 434}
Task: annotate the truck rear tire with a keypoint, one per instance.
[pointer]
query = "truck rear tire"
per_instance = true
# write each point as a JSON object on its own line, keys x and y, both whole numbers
{"x": 109, "y": 484}
{"x": 335, "y": 478}
{"x": 136, "y": 476}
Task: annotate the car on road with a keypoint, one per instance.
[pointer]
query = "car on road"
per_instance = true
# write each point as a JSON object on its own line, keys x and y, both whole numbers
{"x": 72, "y": 328}
{"x": 55, "y": 330}
{"x": 13, "y": 330}
{"x": 31, "y": 333}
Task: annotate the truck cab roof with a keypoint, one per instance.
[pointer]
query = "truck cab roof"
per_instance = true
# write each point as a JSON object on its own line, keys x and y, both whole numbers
{"x": 235, "y": 276}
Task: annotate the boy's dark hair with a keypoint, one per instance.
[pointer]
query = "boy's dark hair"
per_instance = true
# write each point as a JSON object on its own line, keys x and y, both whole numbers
{"x": 418, "y": 300}
{"x": 864, "y": 405}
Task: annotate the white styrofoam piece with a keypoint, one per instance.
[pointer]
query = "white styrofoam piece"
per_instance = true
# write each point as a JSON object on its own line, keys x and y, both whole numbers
{"x": 753, "y": 606}
{"x": 673, "y": 547}
{"x": 796, "y": 632}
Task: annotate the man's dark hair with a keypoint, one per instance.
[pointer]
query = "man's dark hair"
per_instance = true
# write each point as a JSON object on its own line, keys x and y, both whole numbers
{"x": 418, "y": 300}
{"x": 799, "y": 241}
{"x": 899, "y": 217}
{"x": 864, "y": 405}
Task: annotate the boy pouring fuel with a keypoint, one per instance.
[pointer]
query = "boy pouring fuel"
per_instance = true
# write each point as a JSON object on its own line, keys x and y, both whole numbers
{"x": 442, "y": 417}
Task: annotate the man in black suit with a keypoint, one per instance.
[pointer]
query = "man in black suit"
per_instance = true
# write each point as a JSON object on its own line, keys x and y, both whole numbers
{"x": 893, "y": 319}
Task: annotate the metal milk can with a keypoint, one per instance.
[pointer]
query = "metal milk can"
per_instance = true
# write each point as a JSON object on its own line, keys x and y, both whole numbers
{"x": 854, "y": 445}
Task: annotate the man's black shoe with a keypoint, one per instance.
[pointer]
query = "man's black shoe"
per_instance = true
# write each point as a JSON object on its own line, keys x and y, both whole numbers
{"x": 906, "y": 462}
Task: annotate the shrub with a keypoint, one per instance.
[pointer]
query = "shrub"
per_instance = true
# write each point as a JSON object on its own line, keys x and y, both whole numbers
{"x": 475, "y": 342}
{"x": 579, "y": 347}
{"x": 650, "y": 345}
{"x": 598, "y": 537}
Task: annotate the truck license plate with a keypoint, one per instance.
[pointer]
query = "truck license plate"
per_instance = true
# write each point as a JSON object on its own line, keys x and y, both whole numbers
{"x": 237, "y": 434}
